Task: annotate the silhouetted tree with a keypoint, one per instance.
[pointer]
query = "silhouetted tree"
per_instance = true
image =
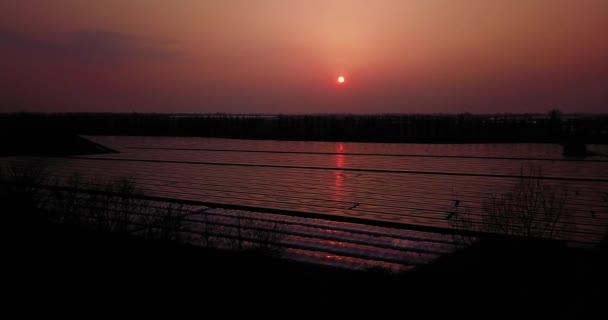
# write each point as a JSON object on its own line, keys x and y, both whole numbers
{"x": 530, "y": 209}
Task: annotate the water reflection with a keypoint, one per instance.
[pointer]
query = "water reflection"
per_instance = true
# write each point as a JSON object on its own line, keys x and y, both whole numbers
{"x": 340, "y": 161}
{"x": 339, "y": 174}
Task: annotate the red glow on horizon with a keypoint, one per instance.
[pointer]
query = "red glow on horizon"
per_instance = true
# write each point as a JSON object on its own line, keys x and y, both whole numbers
{"x": 340, "y": 148}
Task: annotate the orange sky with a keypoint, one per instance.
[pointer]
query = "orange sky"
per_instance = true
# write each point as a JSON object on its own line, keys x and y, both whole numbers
{"x": 398, "y": 56}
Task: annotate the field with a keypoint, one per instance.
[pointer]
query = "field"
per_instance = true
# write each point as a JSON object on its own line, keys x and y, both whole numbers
{"x": 384, "y": 215}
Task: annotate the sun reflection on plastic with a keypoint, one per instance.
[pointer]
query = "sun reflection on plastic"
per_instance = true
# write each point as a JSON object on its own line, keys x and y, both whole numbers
{"x": 340, "y": 148}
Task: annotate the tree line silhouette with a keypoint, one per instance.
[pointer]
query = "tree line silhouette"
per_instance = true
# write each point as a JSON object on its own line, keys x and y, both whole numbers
{"x": 553, "y": 127}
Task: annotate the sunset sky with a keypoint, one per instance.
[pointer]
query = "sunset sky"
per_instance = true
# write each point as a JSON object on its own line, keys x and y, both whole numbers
{"x": 283, "y": 56}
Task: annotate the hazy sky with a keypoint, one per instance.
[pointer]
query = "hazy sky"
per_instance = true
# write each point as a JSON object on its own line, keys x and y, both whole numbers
{"x": 283, "y": 56}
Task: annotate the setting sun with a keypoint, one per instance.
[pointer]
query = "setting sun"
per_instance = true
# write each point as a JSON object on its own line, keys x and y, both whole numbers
{"x": 340, "y": 79}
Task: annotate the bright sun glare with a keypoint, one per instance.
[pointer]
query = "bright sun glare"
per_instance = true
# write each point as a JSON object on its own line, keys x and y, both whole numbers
{"x": 340, "y": 79}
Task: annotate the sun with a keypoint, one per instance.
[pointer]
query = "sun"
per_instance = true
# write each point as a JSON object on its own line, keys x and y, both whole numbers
{"x": 341, "y": 79}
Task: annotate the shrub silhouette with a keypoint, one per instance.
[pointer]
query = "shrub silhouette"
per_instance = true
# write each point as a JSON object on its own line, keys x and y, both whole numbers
{"x": 119, "y": 206}
{"x": 529, "y": 209}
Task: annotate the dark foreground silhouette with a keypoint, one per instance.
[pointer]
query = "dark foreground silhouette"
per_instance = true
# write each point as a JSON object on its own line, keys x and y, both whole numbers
{"x": 38, "y": 142}
{"x": 59, "y": 271}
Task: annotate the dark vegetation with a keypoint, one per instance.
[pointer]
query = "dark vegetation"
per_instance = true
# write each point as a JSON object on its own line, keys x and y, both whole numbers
{"x": 530, "y": 209}
{"x": 86, "y": 252}
{"x": 119, "y": 206}
{"x": 553, "y": 127}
